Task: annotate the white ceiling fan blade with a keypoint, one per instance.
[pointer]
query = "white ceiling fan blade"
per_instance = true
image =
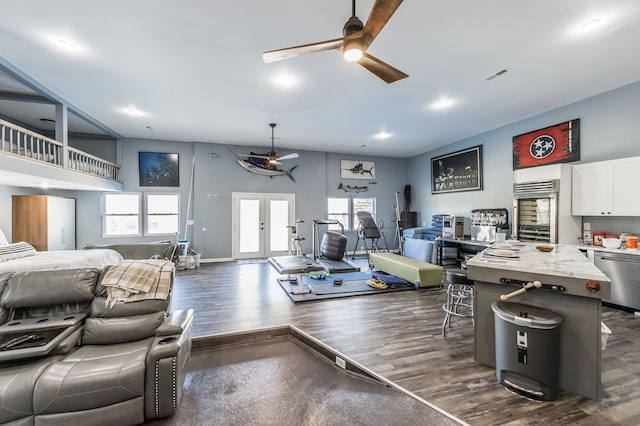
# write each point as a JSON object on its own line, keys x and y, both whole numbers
{"x": 289, "y": 156}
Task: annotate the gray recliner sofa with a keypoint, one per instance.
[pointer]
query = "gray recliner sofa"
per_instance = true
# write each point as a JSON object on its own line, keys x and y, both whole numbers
{"x": 163, "y": 249}
{"x": 68, "y": 358}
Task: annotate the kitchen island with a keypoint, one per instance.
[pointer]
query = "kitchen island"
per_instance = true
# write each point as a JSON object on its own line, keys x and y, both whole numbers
{"x": 572, "y": 286}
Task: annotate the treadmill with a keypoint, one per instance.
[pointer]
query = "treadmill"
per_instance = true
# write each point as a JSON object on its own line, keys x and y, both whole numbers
{"x": 332, "y": 266}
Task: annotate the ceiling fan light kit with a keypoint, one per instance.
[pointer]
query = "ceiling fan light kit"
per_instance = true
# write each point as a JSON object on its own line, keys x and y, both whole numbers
{"x": 352, "y": 49}
{"x": 357, "y": 37}
{"x": 266, "y": 164}
{"x": 271, "y": 156}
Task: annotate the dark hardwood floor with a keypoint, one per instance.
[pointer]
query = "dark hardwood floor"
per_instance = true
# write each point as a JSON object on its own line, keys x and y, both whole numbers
{"x": 398, "y": 336}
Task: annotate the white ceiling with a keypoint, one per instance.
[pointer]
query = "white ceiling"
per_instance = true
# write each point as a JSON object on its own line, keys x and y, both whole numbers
{"x": 194, "y": 69}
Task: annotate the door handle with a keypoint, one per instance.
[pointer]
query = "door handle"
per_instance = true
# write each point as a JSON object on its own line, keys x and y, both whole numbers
{"x": 617, "y": 259}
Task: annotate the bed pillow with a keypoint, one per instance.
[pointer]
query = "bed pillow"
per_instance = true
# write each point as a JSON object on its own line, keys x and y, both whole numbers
{"x": 3, "y": 238}
{"x": 16, "y": 251}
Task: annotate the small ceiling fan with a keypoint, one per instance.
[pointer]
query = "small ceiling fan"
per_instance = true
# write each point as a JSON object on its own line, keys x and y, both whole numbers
{"x": 271, "y": 156}
{"x": 356, "y": 40}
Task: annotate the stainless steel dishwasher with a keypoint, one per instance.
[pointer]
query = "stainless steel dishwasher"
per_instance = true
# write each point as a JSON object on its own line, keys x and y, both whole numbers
{"x": 624, "y": 272}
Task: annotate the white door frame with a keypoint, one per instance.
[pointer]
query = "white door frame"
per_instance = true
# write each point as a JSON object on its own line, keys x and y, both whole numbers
{"x": 265, "y": 219}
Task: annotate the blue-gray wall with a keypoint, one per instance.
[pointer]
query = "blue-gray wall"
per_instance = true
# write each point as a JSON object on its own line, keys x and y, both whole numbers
{"x": 609, "y": 129}
{"x": 216, "y": 178}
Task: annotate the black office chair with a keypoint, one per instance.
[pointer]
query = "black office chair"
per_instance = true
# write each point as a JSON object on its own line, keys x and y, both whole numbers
{"x": 369, "y": 230}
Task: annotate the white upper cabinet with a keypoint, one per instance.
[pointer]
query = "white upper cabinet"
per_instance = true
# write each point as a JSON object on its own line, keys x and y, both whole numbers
{"x": 606, "y": 188}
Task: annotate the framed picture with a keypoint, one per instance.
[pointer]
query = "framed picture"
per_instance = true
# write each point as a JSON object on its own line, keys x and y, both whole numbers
{"x": 559, "y": 143}
{"x": 350, "y": 169}
{"x": 158, "y": 169}
{"x": 458, "y": 171}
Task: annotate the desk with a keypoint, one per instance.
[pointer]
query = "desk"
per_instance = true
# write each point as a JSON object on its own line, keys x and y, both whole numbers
{"x": 463, "y": 246}
{"x": 295, "y": 265}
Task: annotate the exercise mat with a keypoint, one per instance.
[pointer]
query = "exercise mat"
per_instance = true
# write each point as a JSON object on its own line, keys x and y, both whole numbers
{"x": 346, "y": 287}
{"x": 350, "y": 276}
{"x": 353, "y": 284}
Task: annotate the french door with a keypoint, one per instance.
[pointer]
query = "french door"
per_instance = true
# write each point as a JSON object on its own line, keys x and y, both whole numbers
{"x": 260, "y": 224}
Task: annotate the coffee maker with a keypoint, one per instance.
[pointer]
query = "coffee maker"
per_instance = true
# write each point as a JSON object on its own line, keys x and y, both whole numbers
{"x": 485, "y": 223}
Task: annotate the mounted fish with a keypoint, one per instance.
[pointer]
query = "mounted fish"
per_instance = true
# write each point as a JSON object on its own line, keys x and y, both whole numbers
{"x": 266, "y": 164}
{"x": 350, "y": 169}
{"x": 359, "y": 169}
{"x": 257, "y": 165}
{"x": 349, "y": 188}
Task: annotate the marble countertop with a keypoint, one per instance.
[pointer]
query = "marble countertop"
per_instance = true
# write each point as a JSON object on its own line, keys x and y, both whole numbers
{"x": 609, "y": 250}
{"x": 464, "y": 241}
{"x": 565, "y": 261}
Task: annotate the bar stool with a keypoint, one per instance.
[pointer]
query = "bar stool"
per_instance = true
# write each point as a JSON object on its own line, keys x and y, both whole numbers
{"x": 460, "y": 293}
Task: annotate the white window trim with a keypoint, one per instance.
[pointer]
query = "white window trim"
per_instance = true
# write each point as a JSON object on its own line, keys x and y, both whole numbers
{"x": 145, "y": 214}
{"x": 104, "y": 215}
{"x": 350, "y": 210}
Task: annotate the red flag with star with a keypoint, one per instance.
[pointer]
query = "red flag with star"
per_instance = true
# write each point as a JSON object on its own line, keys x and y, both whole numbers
{"x": 554, "y": 144}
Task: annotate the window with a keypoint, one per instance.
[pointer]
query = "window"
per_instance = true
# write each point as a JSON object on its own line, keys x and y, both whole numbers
{"x": 362, "y": 205}
{"x": 121, "y": 214}
{"x": 345, "y": 210}
{"x": 338, "y": 209}
{"x": 162, "y": 214}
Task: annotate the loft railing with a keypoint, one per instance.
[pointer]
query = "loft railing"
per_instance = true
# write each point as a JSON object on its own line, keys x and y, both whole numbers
{"x": 23, "y": 143}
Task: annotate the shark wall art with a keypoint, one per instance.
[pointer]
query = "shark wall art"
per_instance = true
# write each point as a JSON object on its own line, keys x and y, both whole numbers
{"x": 353, "y": 188}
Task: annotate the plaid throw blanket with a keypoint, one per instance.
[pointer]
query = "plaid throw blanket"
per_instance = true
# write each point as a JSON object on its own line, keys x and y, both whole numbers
{"x": 134, "y": 280}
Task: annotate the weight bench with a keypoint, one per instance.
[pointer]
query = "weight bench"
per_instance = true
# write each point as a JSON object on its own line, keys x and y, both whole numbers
{"x": 423, "y": 274}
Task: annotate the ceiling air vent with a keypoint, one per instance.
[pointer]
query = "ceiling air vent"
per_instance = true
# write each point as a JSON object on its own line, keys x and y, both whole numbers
{"x": 498, "y": 74}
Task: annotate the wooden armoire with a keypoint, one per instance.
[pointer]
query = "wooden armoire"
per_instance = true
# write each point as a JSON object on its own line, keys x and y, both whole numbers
{"x": 44, "y": 221}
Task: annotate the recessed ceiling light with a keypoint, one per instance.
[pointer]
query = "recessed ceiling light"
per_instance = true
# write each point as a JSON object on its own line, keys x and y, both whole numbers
{"x": 443, "y": 102}
{"x": 68, "y": 46}
{"x": 284, "y": 80}
{"x": 382, "y": 135}
{"x": 596, "y": 25}
{"x": 65, "y": 44}
{"x": 134, "y": 112}
{"x": 44, "y": 185}
{"x": 592, "y": 24}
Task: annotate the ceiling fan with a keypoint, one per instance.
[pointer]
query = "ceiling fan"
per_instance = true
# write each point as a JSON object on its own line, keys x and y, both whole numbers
{"x": 356, "y": 40}
{"x": 271, "y": 156}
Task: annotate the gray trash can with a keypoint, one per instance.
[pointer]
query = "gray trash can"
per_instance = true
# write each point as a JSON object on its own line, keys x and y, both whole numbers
{"x": 527, "y": 349}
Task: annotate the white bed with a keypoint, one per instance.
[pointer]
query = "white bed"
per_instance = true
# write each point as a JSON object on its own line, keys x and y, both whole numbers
{"x": 62, "y": 259}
